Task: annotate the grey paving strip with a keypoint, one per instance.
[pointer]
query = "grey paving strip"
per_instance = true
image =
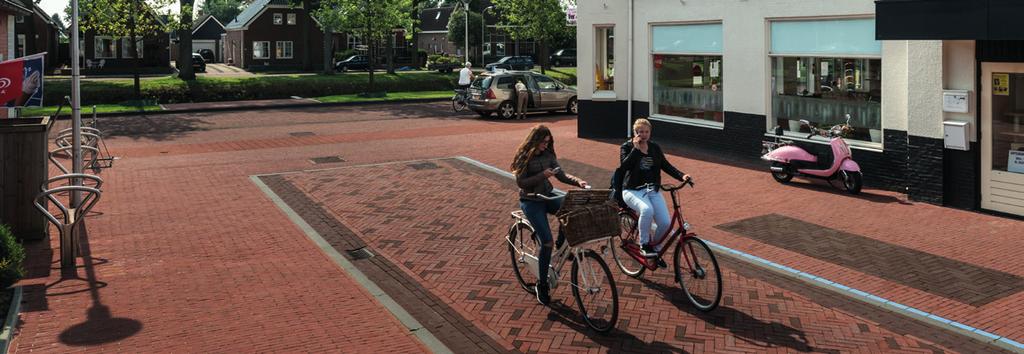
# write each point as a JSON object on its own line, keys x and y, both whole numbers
{"x": 424, "y": 335}
{"x": 439, "y": 326}
{"x": 951, "y": 279}
{"x": 11, "y": 321}
{"x": 977, "y": 340}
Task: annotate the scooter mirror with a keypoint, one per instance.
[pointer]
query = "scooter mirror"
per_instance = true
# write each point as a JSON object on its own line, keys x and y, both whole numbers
{"x": 805, "y": 122}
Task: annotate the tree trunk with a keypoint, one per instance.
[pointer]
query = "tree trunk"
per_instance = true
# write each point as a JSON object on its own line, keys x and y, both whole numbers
{"x": 185, "y": 71}
{"x": 135, "y": 58}
{"x": 543, "y": 56}
{"x": 328, "y": 52}
{"x": 391, "y": 54}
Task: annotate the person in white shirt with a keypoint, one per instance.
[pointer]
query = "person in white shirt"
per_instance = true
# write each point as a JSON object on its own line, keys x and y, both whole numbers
{"x": 522, "y": 96}
{"x": 465, "y": 76}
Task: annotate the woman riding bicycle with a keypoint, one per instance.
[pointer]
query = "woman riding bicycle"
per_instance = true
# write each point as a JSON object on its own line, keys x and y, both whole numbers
{"x": 534, "y": 164}
{"x": 641, "y": 163}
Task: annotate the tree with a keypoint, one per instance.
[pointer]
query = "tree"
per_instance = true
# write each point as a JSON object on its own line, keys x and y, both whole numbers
{"x": 184, "y": 62}
{"x": 374, "y": 21}
{"x": 457, "y": 28}
{"x": 331, "y": 18}
{"x": 123, "y": 19}
{"x": 224, "y": 10}
{"x": 56, "y": 20}
{"x": 542, "y": 20}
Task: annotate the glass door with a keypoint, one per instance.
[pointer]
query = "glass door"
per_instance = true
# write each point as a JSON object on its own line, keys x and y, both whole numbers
{"x": 1002, "y": 140}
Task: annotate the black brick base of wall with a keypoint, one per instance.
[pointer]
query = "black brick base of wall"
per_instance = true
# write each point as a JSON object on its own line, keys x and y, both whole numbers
{"x": 925, "y": 169}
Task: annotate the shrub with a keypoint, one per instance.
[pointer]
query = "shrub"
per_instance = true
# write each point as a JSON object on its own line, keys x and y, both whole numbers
{"x": 12, "y": 255}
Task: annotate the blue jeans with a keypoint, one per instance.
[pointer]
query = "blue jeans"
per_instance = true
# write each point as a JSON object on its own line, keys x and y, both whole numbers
{"x": 651, "y": 207}
{"x": 536, "y": 212}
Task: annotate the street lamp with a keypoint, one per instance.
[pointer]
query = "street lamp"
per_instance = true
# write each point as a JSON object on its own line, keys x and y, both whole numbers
{"x": 483, "y": 30}
{"x": 466, "y": 34}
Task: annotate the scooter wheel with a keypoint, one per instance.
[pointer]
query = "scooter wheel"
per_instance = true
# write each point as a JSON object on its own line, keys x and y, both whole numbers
{"x": 853, "y": 181}
{"x": 782, "y": 177}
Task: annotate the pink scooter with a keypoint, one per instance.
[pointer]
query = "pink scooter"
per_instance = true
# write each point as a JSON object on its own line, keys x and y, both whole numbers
{"x": 789, "y": 160}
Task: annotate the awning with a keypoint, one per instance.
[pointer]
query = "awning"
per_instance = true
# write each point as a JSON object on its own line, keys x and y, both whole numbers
{"x": 949, "y": 19}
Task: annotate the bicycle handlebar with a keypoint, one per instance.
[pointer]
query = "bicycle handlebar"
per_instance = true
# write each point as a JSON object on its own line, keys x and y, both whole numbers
{"x": 675, "y": 187}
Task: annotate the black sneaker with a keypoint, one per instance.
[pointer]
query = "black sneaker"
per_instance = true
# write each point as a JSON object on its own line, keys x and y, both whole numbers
{"x": 648, "y": 251}
{"x": 661, "y": 263}
{"x": 542, "y": 294}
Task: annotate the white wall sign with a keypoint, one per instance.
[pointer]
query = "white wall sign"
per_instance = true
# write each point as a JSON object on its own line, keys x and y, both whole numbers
{"x": 1015, "y": 163}
{"x": 955, "y": 101}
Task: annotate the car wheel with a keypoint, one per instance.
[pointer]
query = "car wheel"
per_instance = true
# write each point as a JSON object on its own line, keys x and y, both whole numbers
{"x": 572, "y": 107}
{"x": 557, "y": 63}
{"x": 506, "y": 110}
{"x": 344, "y": 69}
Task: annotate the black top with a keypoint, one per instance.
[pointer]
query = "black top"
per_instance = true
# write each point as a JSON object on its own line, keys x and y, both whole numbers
{"x": 639, "y": 168}
{"x": 531, "y": 179}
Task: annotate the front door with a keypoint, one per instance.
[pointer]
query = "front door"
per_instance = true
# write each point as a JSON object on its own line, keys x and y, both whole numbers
{"x": 1002, "y": 137}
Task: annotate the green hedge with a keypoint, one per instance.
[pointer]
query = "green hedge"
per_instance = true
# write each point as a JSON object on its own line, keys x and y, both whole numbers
{"x": 12, "y": 256}
{"x": 207, "y": 89}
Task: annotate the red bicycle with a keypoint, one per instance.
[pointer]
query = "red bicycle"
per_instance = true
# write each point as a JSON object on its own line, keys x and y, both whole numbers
{"x": 696, "y": 269}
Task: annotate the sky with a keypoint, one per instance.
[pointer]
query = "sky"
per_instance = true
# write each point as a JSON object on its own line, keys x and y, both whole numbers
{"x": 52, "y": 6}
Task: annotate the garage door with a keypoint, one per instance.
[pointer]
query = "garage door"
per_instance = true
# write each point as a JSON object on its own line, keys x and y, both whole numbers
{"x": 206, "y": 44}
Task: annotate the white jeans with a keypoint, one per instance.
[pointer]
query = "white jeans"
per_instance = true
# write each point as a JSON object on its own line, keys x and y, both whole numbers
{"x": 651, "y": 207}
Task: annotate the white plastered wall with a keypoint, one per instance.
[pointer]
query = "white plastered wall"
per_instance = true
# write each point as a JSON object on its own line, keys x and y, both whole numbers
{"x": 959, "y": 73}
{"x": 924, "y": 89}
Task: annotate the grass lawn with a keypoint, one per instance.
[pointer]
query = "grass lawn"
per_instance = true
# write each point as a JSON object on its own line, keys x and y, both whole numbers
{"x": 86, "y": 111}
{"x": 392, "y": 96}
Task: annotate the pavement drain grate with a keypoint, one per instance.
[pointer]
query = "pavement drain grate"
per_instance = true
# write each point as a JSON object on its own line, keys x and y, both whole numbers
{"x": 326, "y": 159}
{"x": 424, "y": 166}
{"x": 360, "y": 253}
{"x": 301, "y": 134}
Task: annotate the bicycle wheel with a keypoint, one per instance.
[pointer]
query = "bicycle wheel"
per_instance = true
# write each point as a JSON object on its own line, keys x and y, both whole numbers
{"x": 523, "y": 244}
{"x": 458, "y": 103}
{"x": 698, "y": 273}
{"x": 627, "y": 236}
{"x": 590, "y": 274}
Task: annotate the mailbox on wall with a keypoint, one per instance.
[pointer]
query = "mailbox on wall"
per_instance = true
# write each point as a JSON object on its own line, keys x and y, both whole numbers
{"x": 955, "y": 133}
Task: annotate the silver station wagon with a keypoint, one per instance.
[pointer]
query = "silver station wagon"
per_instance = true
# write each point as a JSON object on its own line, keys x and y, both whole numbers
{"x": 495, "y": 93}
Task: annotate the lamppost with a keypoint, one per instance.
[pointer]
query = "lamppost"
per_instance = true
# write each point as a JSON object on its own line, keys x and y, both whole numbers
{"x": 466, "y": 34}
{"x": 483, "y": 32}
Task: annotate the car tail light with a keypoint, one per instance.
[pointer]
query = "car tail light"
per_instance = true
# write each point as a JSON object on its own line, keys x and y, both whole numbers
{"x": 490, "y": 94}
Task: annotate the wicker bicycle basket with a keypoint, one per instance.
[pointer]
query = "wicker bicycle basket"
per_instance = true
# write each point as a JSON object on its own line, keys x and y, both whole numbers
{"x": 588, "y": 215}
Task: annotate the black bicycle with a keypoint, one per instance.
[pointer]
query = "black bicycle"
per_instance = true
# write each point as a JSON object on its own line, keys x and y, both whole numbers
{"x": 459, "y": 101}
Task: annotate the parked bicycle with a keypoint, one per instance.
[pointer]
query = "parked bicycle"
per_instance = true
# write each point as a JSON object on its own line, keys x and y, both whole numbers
{"x": 695, "y": 266}
{"x": 591, "y": 281}
{"x": 460, "y": 100}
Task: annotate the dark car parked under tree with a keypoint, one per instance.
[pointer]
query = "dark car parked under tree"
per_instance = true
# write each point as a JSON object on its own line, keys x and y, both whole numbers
{"x": 512, "y": 63}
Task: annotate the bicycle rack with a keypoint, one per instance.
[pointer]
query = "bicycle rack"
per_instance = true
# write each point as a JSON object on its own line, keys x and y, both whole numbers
{"x": 93, "y": 138}
{"x": 70, "y": 218}
{"x": 68, "y": 151}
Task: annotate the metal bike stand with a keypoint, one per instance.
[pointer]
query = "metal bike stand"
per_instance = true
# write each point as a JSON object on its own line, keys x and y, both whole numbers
{"x": 70, "y": 219}
{"x": 67, "y": 150}
{"x": 94, "y": 138}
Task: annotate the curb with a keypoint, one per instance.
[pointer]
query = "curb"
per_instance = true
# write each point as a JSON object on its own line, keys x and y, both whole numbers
{"x": 248, "y": 108}
{"x": 11, "y": 321}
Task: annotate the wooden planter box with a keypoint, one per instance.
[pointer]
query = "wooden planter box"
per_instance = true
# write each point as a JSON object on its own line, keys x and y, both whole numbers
{"x": 23, "y": 167}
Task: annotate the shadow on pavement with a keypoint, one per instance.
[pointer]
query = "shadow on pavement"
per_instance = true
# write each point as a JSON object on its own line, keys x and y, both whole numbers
{"x": 744, "y": 326}
{"x": 155, "y": 127}
{"x": 617, "y": 340}
{"x": 100, "y": 326}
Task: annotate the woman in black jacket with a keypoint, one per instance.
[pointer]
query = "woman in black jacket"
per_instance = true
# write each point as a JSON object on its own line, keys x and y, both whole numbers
{"x": 641, "y": 163}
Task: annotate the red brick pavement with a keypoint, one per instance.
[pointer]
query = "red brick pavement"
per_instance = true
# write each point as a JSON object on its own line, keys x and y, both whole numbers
{"x": 204, "y": 262}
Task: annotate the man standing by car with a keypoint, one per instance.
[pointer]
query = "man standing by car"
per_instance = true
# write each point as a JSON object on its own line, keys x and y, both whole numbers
{"x": 465, "y": 76}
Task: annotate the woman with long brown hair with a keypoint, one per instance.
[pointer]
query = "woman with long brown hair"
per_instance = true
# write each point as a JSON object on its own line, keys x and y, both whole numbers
{"x": 534, "y": 164}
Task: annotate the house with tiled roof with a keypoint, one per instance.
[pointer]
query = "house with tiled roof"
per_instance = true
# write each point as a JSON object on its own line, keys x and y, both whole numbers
{"x": 268, "y": 34}
{"x": 37, "y": 33}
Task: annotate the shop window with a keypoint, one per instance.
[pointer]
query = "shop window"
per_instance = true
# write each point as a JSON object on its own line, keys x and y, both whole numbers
{"x": 1007, "y": 122}
{"x": 126, "y": 52}
{"x": 687, "y": 72}
{"x": 284, "y": 49}
{"x": 104, "y": 47}
{"x": 822, "y": 70}
{"x": 278, "y": 19}
{"x": 688, "y": 87}
{"x": 261, "y": 50}
{"x": 291, "y": 19}
{"x": 604, "y": 55}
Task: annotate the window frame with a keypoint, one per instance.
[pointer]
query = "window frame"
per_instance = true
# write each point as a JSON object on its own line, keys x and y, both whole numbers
{"x": 254, "y": 57}
{"x": 139, "y": 46}
{"x": 278, "y": 19}
{"x": 96, "y": 50}
{"x": 20, "y": 45}
{"x": 279, "y": 45}
{"x": 291, "y": 19}
{"x": 602, "y": 42}
{"x": 770, "y": 119}
{"x": 650, "y": 59}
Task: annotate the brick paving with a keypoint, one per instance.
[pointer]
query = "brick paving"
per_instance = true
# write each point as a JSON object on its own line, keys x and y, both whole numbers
{"x": 186, "y": 254}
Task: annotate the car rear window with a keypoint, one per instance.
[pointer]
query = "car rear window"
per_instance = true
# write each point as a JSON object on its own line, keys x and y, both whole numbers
{"x": 506, "y": 82}
{"x": 482, "y": 83}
